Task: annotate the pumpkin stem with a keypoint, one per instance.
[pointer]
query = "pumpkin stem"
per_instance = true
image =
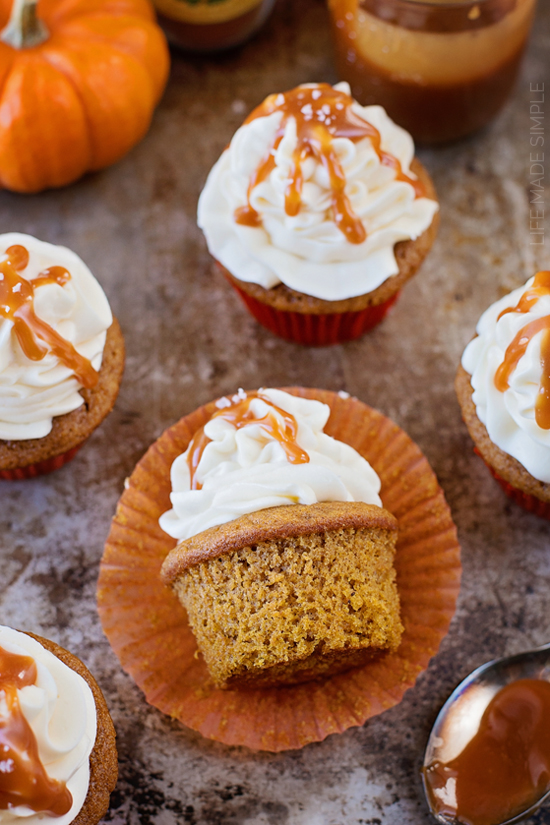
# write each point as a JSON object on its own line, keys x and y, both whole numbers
{"x": 25, "y": 29}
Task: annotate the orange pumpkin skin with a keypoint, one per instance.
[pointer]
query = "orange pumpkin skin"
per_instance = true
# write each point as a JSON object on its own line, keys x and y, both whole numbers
{"x": 82, "y": 99}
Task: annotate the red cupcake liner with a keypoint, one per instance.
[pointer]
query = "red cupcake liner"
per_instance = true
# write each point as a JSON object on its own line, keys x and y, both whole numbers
{"x": 148, "y": 628}
{"x": 41, "y": 468}
{"x": 316, "y": 330}
{"x": 525, "y": 500}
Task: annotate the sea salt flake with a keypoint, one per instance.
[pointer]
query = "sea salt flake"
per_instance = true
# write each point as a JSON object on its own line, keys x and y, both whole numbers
{"x": 222, "y": 403}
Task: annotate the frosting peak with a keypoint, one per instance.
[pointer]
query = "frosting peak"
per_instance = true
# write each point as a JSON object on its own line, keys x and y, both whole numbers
{"x": 321, "y": 114}
{"x": 314, "y": 191}
{"x": 264, "y": 450}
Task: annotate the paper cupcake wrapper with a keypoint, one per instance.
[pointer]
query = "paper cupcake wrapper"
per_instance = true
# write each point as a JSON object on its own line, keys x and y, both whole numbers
{"x": 41, "y": 468}
{"x": 148, "y": 629}
{"x": 525, "y": 500}
{"x": 316, "y": 330}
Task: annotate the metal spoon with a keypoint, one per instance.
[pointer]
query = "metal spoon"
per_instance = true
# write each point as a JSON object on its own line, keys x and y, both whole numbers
{"x": 459, "y": 718}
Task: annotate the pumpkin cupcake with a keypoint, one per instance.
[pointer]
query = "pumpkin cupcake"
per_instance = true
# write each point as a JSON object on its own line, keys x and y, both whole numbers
{"x": 61, "y": 356}
{"x": 318, "y": 213}
{"x": 503, "y": 386}
{"x": 285, "y": 564}
{"x": 315, "y": 522}
{"x": 59, "y": 753}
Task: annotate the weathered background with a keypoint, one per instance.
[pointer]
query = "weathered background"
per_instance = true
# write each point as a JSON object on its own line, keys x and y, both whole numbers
{"x": 189, "y": 340}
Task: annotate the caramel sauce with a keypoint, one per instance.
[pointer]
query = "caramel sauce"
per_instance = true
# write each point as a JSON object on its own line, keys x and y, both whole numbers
{"x": 240, "y": 415}
{"x": 36, "y": 337}
{"x": 540, "y": 287}
{"x": 321, "y": 114}
{"x": 505, "y": 768}
{"x": 377, "y": 44}
{"x": 23, "y": 778}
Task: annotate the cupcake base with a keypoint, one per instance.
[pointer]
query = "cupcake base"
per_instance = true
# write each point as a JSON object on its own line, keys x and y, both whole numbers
{"x": 515, "y": 480}
{"x": 310, "y": 321}
{"x": 149, "y": 631}
{"x": 316, "y": 330}
{"x": 525, "y": 500}
{"x": 28, "y": 458}
{"x": 41, "y": 468}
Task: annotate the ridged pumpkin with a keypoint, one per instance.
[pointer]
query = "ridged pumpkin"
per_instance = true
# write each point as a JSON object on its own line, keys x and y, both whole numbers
{"x": 79, "y": 80}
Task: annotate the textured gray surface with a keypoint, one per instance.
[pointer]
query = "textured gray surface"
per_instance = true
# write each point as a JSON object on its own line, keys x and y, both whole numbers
{"x": 189, "y": 340}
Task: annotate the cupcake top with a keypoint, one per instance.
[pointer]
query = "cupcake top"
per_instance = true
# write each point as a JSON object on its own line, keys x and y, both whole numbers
{"x": 47, "y": 734}
{"x": 54, "y": 318}
{"x": 314, "y": 191}
{"x": 261, "y": 450}
{"x": 509, "y": 364}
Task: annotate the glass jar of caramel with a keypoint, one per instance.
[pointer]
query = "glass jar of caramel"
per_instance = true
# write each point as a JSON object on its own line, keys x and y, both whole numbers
{"x": 441, "y": 69}
{"x": 211, "y": 25}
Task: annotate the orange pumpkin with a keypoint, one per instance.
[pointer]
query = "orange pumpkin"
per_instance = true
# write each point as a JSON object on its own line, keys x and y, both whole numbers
{"x": 79, "y": 80}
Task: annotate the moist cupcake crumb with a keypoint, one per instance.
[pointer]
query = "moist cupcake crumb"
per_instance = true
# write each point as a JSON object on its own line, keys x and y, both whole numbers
{"x": 292, "y": 608}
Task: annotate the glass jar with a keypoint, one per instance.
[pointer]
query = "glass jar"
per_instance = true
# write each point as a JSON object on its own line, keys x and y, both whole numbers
{"x": 211, "y": 25}
{"x": 441, "y": 69}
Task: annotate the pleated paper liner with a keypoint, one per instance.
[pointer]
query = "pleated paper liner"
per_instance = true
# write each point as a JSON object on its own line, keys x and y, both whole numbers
{"x": 313, "y": 330}
{"x": 525, "y": 500}
{"x": 148, "y": 630}
{"x": 41, "y": 468}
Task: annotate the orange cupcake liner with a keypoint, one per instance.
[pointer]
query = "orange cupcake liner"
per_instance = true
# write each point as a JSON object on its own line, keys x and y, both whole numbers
{"x": 41, "y": 468}
{"x": 148, "y": 630}
{"x": 316, "y": 330}
{"x": 525, "y": 500}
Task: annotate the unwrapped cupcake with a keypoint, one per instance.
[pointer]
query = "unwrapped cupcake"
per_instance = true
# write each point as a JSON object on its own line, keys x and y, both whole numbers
{"x": 285, "y": 560}
{"x": 503, "y": 386}
{"x": 58, "y": 760}
{"x": 318, "y": 213}
{"x": 61, "y": 355}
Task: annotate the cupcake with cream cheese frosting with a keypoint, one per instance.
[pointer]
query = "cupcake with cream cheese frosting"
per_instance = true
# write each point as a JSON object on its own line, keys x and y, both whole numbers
{"x": 318, "y": 213}
{"x": 59, "y": 759}
{"x": 503, "y": 385}
{"x": 285, "y": 554}
{"x": 61, "y": 355}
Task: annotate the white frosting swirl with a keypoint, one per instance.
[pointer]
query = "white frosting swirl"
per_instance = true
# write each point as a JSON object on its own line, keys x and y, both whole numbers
{"x": 510, "y": 416}
{"x": 308, "y": 252}
{"x": 61, "y": 711}
{"x": 33, "y": 392}
{"x": 246, "y": 470}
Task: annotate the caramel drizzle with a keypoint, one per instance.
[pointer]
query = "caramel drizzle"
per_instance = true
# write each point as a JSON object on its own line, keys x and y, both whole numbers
{"x": 240, "y": 415}
{"x": 36, "y": 337}
{"x": 515, "y": 351}
{"x": 321, "y": 114}
{"x": 23, "y": 778}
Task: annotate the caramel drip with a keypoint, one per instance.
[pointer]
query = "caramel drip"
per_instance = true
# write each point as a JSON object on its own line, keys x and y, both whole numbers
{"x": 23, "y": 778}
{"x": 240, "y": 415}
{"x": 515, "y": 351}
{"x": 539, "y": 288}
{"x": 505, "y": 768}
{"x": 36, "y": 337}
{"x": 321, "y": 114}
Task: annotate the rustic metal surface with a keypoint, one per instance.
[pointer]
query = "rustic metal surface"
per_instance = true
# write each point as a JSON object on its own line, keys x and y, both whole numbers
{"x": 189, "y": 340}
